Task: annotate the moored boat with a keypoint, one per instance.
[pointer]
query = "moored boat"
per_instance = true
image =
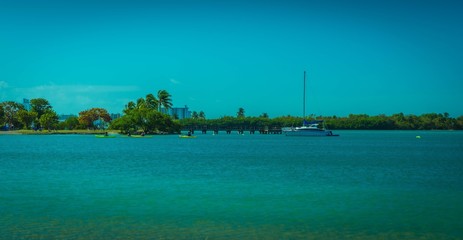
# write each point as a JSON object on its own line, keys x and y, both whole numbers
{"x": 310, "y": 129}
{"x": 314, "y": 128}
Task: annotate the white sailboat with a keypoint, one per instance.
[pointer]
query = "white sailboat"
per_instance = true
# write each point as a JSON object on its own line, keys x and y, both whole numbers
{"x": 314, "y": 128}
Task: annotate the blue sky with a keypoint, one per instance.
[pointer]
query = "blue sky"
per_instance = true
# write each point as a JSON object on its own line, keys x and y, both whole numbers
{"x": 373, "y": 57}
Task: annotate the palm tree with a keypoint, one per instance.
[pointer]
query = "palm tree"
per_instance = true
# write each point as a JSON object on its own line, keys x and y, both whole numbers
{"x": 164, "y": 100}
{"x": 240, "y": 113}
{"x": 130, "y": 106}
{"x": 202, "y": 115}
{"x": 151, "y": 101}
{"x": 141, "y": 103}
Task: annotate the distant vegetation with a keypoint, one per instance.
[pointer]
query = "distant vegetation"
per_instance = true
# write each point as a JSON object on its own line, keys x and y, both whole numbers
{"x": 146, "y": 115}
{"x": 398, "y": 121}
{"x": 40, "y": 115}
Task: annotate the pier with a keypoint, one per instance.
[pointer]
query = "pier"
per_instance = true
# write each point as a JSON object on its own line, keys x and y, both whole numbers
{"x": 204, "y": 129}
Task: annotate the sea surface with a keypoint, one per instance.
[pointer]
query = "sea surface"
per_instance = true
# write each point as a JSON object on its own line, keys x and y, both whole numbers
{"x": 361, "y": 185}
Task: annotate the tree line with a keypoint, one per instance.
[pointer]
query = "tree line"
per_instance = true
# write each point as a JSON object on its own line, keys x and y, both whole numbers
{"x": 14, "y": 116}
{"x": 143, "y": 115}
{"x": 148, "y": 114}
{"x": 399, "y": 121}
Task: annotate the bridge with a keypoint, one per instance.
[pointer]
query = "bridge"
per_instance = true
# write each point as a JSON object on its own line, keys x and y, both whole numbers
{"x": 229, "y": 129}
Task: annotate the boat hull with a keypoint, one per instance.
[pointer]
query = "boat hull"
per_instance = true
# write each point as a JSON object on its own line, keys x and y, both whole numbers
{"x": 311, "y": 133}
{"x": 185, "y": 136}
{"x": 105, "y": 136}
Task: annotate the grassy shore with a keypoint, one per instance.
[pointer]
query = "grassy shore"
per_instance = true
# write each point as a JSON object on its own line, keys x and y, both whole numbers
{"x": 46, "y": 132}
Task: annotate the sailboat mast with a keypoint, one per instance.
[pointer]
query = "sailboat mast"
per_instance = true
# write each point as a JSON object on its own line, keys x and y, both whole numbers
{"x": 303, "y": 103}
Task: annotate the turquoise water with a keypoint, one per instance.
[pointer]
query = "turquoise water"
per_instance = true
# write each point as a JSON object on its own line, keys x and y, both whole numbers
{"x": 362, "y": 185}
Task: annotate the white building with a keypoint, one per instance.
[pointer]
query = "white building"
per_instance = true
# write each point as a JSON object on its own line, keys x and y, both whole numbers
{"x": 178, "y": 112}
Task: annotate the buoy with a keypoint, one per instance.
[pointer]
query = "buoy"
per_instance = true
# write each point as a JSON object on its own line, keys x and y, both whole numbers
{"x": 418, "y": 137}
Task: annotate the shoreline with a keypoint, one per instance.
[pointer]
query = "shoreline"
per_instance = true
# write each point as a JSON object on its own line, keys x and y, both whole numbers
{"x": 9, "y": 133}
{"x": 53, "y": 132}
{"x": 68, "y": 132}
{"x": 98, "y": 132}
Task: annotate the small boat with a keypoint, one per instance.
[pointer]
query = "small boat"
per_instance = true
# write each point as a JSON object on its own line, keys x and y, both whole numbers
{"x": 309, "y": 129}
{"x": 140, "y": 136}
{"x": 313, "y": 128}
{"x": 105, "y": 136}
{"x": 186, "y": 136}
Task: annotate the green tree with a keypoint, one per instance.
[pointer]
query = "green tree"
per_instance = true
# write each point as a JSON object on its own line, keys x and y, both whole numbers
{"x": 129, "y": 107}
{"x": 240, "y": 113}
{"x": 166, "y": 124}
{"x": 151, "y": 101}
{"x": 164, "y": 99}
{"x": 88, "y": 117}
{"x": 353, "y": 121}
{"x": 146, "y": 120}
{"x": 26, "y": 118}
{"x": 194, "y": 115}
{"x": 10, "y": 110}
{"x": 40, "y": 106}
{"x": 459, "y": 123}
{"x": 71, "y": 123}
{"x": 202, "y": 115}
{"x": 153, "y": 121}
{"x": 124, "y": 124}
{"x": 140, "y": 119}
{"x": 2, "y": 115}
{"x": 146, "y": 115}
{"x": 49, "y": 119}
{"x": 141, "y": 103}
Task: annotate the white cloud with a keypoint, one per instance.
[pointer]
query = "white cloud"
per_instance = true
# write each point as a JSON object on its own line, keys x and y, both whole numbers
{"x": 82, "y": 88}
{"x": 75, "y": 98}
{"x": 174, "y": 81}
